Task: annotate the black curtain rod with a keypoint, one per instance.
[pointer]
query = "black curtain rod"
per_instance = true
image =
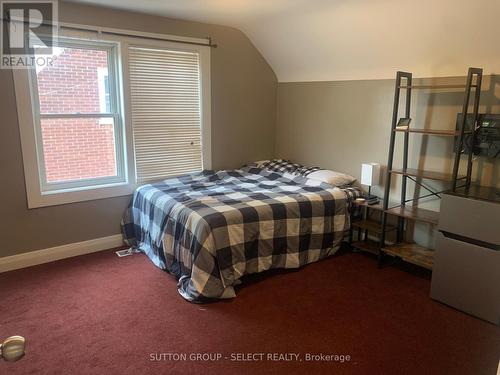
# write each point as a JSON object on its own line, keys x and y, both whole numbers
{"x": 118, "y": 33}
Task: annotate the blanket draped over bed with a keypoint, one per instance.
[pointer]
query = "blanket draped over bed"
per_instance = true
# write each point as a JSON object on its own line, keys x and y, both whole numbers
{"x": 211, "y": 228}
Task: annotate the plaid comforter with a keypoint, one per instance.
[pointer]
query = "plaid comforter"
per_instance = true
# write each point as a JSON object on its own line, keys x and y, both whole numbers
{"x": 211, "y": 228}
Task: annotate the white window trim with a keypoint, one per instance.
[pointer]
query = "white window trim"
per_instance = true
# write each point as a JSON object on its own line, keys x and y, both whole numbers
{"x": 35, "y": 196}
{"x": 27, "y": 130}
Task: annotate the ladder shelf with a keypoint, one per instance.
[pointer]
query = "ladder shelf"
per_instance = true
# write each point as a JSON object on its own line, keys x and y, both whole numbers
{"x": 411, "y": 252}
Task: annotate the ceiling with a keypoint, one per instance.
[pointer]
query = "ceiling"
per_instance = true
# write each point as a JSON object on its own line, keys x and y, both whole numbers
{"x": 325, "y": 40}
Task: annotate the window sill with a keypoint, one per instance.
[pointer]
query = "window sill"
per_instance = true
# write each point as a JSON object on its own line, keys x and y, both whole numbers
{"x": 54, "y": 198}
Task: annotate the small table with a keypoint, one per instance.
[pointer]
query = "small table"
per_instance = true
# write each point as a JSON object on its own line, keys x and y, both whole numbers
{"x": 368, "y": 225}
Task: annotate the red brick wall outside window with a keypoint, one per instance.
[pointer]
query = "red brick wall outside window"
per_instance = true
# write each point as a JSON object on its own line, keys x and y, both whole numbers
{"x": 76, "y": 148}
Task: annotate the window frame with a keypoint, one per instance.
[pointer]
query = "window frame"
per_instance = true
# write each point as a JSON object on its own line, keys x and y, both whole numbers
{"x": 36, "y": 197}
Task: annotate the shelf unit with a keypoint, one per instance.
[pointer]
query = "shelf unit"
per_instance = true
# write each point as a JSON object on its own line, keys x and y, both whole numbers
{"x": 411, "y": 252}
{"x": 373, "y": 226}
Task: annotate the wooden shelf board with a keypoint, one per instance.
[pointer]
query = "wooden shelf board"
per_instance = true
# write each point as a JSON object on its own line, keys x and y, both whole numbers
{"x": 368, "y": 246}
{"x": 445, "y": 133}
{"x": 376, "y": 206}
{"x": 372, "y": 226}
{"x": 415, "y": 213}
{"x": 435, "y": 87}
{"x": 412, "y": 253}
{"x": 440, "y": 176}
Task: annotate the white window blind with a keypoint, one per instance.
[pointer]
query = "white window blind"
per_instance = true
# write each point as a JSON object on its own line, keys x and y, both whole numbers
{"x": 166, "y": 112}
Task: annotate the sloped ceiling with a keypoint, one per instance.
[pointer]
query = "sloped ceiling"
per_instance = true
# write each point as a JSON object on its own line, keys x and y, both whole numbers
{"x": 325, "y": 40}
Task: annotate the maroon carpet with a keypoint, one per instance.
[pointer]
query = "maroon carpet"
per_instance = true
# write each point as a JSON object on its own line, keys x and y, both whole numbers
{"x": 99, "y": 314}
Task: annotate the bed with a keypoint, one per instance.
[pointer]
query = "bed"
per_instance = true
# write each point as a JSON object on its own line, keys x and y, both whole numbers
{"x": 211, "y": 228}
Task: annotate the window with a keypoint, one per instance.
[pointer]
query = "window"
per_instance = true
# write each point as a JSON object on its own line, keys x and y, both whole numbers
{"x": 166, "y": 112}
{"x": 112, "y": 112}
{"x": 77, "y": 120}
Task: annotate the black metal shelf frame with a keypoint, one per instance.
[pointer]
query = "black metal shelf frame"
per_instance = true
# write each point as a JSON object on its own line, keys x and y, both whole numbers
{"x": 474, "y": 79}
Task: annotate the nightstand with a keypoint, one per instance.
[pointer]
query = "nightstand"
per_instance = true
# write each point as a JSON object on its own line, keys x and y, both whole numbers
{"x": 368, "y": 225}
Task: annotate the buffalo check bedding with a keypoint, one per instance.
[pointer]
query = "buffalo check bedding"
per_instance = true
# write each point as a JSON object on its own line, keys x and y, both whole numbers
{"x": 210, "y": 228}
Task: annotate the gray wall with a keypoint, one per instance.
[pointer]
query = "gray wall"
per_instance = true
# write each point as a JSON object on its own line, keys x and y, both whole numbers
{"x": 339, "y": 125}
{"x": 243, "y": 129}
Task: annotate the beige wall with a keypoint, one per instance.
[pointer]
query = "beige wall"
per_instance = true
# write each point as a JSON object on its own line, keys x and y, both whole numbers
{"x": 339, "y": 125}
{"x": 243, "y": 129}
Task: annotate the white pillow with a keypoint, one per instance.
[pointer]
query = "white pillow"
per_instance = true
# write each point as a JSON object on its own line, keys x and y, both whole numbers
{"x": 260, "y": 162}
{"x": 332, "y": 177}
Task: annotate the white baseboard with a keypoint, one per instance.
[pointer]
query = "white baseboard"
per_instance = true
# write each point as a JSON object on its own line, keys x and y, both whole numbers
{"x": 33, "y": 258}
